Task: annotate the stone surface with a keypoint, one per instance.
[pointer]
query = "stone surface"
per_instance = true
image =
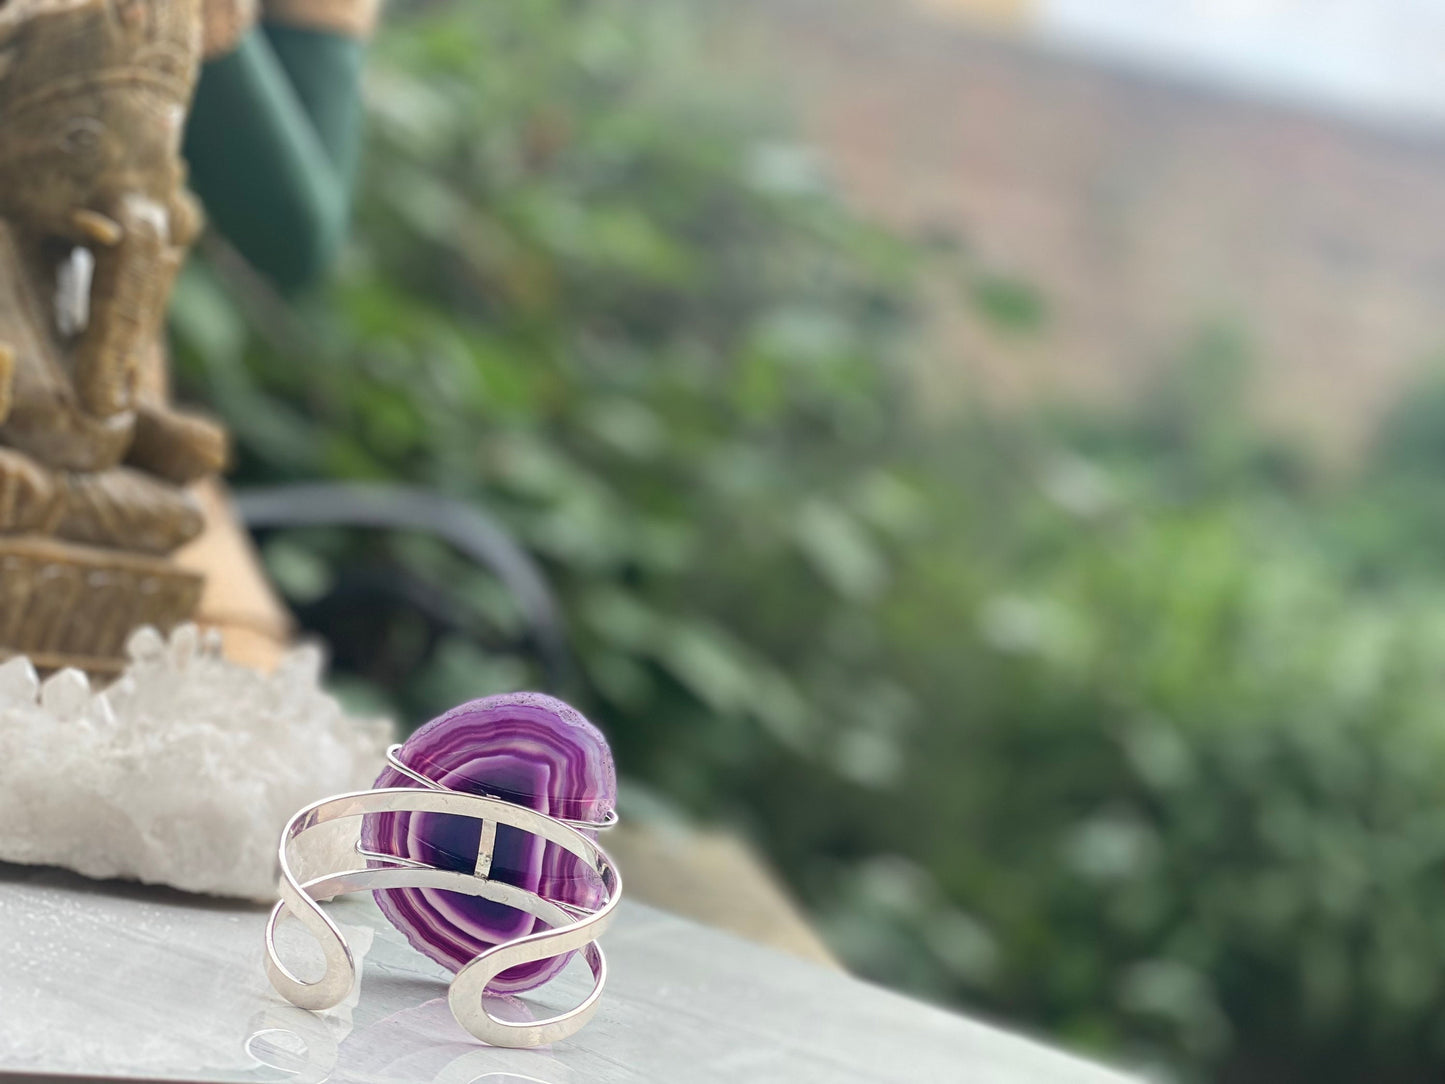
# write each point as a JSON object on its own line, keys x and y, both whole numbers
{"x": 112, "y": 981}
{"x": 182, "y": 772}
{"x": 531, "y": 749}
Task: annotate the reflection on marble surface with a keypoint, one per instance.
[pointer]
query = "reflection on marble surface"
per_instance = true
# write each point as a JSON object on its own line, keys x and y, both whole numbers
{"x": 114, "y": 980}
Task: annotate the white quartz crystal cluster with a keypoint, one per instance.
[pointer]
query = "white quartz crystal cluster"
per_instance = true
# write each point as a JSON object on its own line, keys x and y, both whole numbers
{"x": 182, "y": 772}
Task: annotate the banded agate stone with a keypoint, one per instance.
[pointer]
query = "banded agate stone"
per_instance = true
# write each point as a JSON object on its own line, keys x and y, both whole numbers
{"x": 530, "y": 749}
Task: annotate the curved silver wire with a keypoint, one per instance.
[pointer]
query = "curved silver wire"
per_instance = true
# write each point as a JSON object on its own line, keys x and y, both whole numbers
{"x": 393, "y": 757}
{"x": 572, "y": 928}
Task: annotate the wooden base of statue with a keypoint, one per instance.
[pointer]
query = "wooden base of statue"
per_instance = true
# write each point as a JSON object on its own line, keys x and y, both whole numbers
{"x": 95, "y": 221}
{"x": 63, "y": 604}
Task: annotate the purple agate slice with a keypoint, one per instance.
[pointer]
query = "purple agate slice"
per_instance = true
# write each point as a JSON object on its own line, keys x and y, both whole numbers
{"x": 530, "y": 749}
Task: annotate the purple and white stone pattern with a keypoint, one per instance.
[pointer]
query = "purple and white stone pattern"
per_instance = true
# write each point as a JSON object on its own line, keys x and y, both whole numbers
{"x": 530, "y": 749}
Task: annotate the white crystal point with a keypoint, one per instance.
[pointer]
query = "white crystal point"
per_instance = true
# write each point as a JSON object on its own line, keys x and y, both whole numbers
{"x": 145, "y": 645}
{"x": 185, "y": 645}
{"x": 184, "y": 770}
{"x": 65, "y": 696}
{"x": 19, "y": 683}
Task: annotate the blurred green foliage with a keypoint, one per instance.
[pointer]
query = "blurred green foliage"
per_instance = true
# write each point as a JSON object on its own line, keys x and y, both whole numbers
{"x": 1124, "y": 728}
{"x": 1194, "y": 811}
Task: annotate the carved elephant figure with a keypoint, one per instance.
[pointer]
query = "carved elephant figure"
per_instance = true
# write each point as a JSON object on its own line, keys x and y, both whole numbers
{"x": 95, "y": 220}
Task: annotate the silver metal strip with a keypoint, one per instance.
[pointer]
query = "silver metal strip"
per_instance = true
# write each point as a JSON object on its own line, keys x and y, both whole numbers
{"x": 572, "y": 929}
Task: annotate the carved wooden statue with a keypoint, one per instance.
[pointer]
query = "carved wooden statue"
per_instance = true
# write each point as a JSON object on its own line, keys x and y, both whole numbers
{"x": 94, "y": 222}
{"x": 97, "y": 468}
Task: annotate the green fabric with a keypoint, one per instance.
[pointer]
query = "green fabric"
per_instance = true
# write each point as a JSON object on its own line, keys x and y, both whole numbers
{"x": 272, "y": 144}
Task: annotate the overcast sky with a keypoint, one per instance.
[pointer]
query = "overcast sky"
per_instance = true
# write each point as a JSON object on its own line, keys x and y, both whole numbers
{"x": 1380, "y": 57}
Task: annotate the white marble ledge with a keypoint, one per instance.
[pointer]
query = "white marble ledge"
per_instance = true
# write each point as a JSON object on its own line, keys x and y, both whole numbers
{"x": 112, "y": 981}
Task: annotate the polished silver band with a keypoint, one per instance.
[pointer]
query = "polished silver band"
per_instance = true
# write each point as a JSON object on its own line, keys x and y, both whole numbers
{"x": 393, "y": 758}
{"x": 572, "y": 928}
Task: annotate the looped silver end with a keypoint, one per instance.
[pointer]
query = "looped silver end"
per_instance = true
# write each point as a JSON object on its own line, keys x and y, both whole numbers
{"x": 572, "y": 928}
